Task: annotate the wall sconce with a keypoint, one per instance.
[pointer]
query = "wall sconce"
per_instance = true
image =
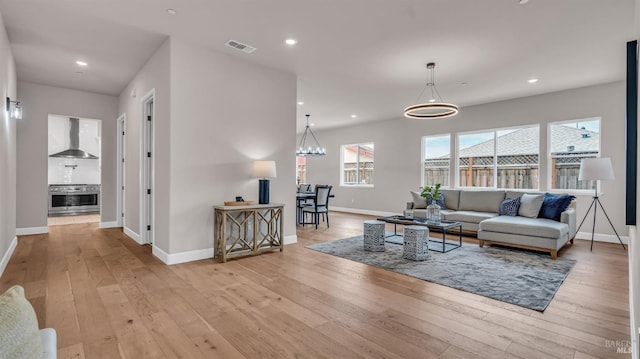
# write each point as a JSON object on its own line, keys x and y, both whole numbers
{"x": 16, "y": 112}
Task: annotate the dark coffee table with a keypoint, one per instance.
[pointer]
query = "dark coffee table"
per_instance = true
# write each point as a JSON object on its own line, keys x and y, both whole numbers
{"x": 444, "y": 226}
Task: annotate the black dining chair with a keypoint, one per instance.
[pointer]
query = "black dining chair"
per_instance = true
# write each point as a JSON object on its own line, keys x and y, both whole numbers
{"x": 319, "y": 207}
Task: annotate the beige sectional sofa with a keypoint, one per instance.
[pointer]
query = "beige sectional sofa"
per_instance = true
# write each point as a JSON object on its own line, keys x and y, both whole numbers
{"x": 477, "y": 211}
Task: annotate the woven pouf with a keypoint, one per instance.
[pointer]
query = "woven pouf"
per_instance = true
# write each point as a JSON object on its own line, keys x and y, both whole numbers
{"x": 416, "y": 243}
{"x": 374, "y": 236}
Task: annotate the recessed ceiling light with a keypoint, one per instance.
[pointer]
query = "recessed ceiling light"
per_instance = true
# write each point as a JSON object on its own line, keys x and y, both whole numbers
{"x": 171, "y": 11}
{"x": 81, "y": 63}
{"x": 300, "y": 103}
{"x": 522, "y": 2}
{"x": 464, "y": 83}
{"x": 532, "y": 81}
{"x": 291, "y": 41}
{"x": 354, "y": 116}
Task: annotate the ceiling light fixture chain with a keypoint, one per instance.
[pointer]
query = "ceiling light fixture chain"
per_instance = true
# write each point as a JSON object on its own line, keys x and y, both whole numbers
{"x": 435, "y": 107}
{"x": 303, "y": 150}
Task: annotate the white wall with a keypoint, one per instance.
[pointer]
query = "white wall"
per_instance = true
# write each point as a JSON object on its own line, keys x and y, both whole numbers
{"x": 398, "y": 148}
{"x": 39, "y": 101}
{"x": 154, "y": 75}
{"x": 226, "y": 113}
{"x": 7, "y": 153}
{"x": 214, "y": 115}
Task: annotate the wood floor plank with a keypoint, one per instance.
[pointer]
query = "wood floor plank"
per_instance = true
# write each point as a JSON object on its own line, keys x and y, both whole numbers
{"x": 134, "y": 340}
{"x": 109, "y": 297}
{"x": 75, "y": 351}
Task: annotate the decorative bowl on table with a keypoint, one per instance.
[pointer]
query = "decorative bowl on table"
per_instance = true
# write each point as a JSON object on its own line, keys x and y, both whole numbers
{"x": 241, "y": 203}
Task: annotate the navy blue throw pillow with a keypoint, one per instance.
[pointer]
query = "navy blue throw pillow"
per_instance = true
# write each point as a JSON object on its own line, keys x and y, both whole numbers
{"x": 509, "y": 207}
{"x": 553, "y": 206}
{"x": 440, "y": 202}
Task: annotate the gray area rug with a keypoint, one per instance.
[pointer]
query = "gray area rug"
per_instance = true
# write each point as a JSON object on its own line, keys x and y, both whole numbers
{"x": 514, "y": 276}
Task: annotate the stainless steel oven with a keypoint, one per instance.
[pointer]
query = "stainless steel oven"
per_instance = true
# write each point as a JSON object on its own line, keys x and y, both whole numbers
{"x": 65, "y": 199}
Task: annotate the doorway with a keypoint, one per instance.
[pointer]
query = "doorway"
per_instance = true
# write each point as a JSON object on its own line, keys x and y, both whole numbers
{"x": 74, "y": 170}
{"x": 120, "y": 206}
{"x": 147, "y": 167}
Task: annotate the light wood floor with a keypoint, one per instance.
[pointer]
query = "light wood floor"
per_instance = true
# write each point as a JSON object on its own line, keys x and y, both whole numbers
{"x": 77, "y": 219}
{"x": 108, "y": 297}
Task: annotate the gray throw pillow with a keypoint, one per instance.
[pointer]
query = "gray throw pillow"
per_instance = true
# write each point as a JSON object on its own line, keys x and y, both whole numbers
{"x": 418, "y": 201}
{"x": 530, "y": 205}
{"x": 19, "y": 334}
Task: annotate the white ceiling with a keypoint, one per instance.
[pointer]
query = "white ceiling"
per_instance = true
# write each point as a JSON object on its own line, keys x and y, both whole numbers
{"x": 364, "y": 57}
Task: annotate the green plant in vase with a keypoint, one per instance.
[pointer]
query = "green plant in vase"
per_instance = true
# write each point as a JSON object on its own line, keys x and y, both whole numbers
{"x": 432, "y": 194}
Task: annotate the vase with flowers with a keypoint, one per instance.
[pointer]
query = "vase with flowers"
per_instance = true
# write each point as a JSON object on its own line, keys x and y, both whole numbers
{"x": 432, "y": 194}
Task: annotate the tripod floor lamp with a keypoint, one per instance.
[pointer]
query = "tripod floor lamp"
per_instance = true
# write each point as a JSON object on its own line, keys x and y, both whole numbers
{"x": 597, "y": 169}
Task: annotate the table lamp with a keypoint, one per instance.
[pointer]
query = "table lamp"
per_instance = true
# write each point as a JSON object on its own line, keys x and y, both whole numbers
{"x": 264, "y": 170}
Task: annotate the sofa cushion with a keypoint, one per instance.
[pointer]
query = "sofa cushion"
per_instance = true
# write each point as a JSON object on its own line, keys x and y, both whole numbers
{"x": 516, "y": 194}
{"x": 535, "y": 227}
{"x": 469, "y": 216}
{"x": 451, "y": 198}
{"x": 553, "y": 206}
{"x": 422, "y": 213}
{"x": 530, "y": 205}
{"x": 19, "y": 334}
{"x": 418, "y": 201}
{"x": 481, "y": 201}
{"x": 509, "y": 207}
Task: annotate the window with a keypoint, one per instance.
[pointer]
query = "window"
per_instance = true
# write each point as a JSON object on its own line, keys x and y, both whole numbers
{"x": 569, "y": 143}
{"x": 301, "y": 169}
{"x": 436, "y": 159}
{"x": 357, "y": 164}
{"x": 506, "y": 158}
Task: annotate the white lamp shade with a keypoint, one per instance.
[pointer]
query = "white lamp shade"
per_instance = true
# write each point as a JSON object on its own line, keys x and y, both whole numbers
{"x": 596, "y": 169}
{"x": 264, "y": 169}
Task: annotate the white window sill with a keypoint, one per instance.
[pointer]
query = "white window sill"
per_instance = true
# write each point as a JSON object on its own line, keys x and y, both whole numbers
{"x": 357, "y": 185}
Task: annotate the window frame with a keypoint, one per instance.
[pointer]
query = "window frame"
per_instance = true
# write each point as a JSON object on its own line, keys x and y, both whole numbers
{"x": 422, "y": 157}
{"x": 495, "y": 157}
{"x": 577, "y": 192}
{"x": 358, "y": 184}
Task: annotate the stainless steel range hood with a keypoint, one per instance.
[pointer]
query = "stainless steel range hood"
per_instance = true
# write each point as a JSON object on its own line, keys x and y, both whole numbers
{"x": 74, "y": 150}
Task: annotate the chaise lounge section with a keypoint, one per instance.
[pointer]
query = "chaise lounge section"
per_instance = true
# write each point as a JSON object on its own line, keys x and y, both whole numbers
{"x": 478, "y": 212}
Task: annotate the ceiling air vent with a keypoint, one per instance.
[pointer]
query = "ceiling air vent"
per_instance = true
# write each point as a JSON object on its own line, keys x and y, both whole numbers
{"x": 240, "y": 46}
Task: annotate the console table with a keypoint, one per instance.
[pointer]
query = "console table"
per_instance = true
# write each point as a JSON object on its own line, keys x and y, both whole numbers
{"x": 247, "y": 230}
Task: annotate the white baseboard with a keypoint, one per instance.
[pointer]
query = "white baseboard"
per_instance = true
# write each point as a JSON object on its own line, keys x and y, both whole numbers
{"x": 364, "y": 211}
{"x": 160, "y": 254}
{"x": 182, "y": 257}
{"x": 31, "y": 230}
{"x": 290, "y": 239}
{"x": 609, "y": 238}
{"x": 112, "y": 224}
{"x": 7, "y": 256}
{"x": 133, "y": 235}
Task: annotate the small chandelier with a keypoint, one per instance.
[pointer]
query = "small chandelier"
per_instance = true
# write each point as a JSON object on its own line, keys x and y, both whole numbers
{"x": 435, "y": 108}
{"x": 303, "y": 150}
